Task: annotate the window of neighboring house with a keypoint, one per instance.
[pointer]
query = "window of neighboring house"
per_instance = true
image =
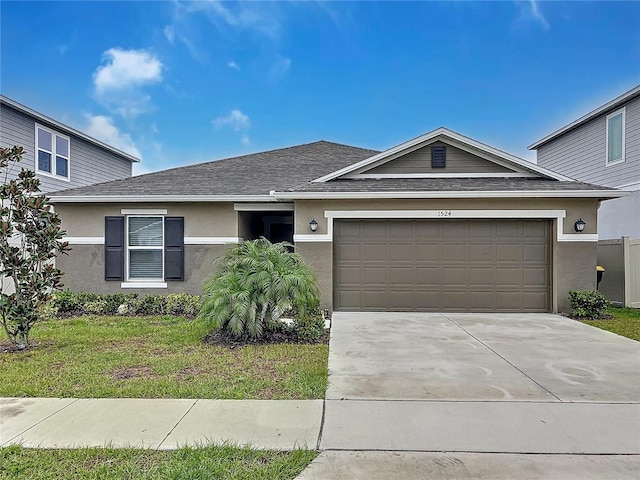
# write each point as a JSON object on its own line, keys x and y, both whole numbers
{"x": 53, "y": 153}
{"x": 144, "y": 249}
{"x": 615, "y": 137}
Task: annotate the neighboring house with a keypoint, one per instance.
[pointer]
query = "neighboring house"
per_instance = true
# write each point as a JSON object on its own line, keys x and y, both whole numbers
{"x": 441, "y": 222}
{"x": 61, "y": 156}
{"x": 602, "y": 147}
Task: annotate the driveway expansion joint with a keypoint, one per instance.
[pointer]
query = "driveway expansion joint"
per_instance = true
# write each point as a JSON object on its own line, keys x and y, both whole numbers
{"x": 503, "y": 358}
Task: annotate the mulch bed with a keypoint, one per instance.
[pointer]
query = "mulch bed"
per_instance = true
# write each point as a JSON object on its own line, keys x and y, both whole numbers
{"x": 225, "y": 339}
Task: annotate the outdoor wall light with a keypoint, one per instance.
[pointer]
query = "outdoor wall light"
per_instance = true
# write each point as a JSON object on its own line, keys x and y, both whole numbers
{"x": 579, "y": 225}
{"x": 313, "y": 225}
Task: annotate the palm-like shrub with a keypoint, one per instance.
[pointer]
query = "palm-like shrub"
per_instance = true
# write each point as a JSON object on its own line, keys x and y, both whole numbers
{"x": 256, "y": 281}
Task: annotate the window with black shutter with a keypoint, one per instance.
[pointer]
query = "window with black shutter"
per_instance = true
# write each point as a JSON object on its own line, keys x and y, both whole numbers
{"x": 145, "y": 248}
{"x": 114, "y": 248}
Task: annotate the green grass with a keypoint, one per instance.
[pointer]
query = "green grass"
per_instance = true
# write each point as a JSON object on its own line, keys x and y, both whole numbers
{"x": 215, "y": 462}
{"x": 626, "y": 322}
{"x": 156, "y": 357}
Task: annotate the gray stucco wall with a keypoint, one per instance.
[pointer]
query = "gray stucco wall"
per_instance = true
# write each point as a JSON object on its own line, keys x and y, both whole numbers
{"x": 83, "y": 270}
{"x": 619, "y": 217}
{"x": 88, "y": 164}
{"x": 581, "y": 153}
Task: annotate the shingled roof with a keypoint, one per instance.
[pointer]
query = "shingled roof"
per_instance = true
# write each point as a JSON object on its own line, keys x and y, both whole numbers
{"x": 255, "y": 174}
{"x": 290, "y": 173}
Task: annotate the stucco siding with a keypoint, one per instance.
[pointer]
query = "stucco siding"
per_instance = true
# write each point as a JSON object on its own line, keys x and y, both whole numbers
{"x": 575, "y": 208}
{"x": 200, "y": 219}
{"x": 88, "y": 164}
{"x": 419, "y": 161}
{"x": 83, "y": 270}
{"x": 581, "y": 153}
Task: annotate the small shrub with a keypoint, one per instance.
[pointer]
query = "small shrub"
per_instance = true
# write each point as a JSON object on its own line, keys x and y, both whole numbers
{"x": 308, "y": 328}
{"x": 256, "y": 281}
{"x": 183, "y": 304}
{"x": 587, "y": 304}
{"x": 65, "y": 301}
{"x": 96, "y": 307}
{"x": 153, "y": 305}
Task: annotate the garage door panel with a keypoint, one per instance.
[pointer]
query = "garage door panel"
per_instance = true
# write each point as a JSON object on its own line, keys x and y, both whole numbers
{"x": 374, "y": 275}
{"x": 401, "y": 275}
{"x": 427, "y": 231}
{"x": 350, "y": 275}
{"x": 449, "y": 265}
{"x": 481, "y": 276}
{"x": 428, "y": 252}
{"x": 508, "y": 252}
{"x": 535, "y": 254}
{"x": 373, "y": 252}
{"x": 428, "y": 276}
{"x": 455, "y": 252}
{"x": 400, "y": 252}
{"x": 481, "y": 253}
{"x": 455, "y": 276}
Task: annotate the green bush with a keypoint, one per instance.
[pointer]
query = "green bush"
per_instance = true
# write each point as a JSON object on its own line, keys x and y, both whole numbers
{"x": 256, "y": 281}
{"x": 69, "y": 303}
{"x": 308, "y": 328}
{"x": 587, "y": 304}
{"x": 183, "y": 304}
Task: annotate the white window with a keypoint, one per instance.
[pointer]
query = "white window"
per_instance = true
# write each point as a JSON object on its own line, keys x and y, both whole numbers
{"x": 52, "y": 156}
{"x": 615, "y": 137}
{"x": 145, "y": 248}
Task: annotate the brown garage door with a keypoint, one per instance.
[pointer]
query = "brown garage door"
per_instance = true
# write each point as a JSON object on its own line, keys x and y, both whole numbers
{"x": 442, "y": 265}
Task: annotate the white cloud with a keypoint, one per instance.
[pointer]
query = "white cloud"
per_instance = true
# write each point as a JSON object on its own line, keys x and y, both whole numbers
{"x": 118, "y": 83}
{"x": 236, "y": 120}
{"x": 279, "y": 67}
{"x": 170, "y": 34}
{"x": 530, "y": 12}
{"x": 104, "y": 129}
{"x": 127, "y": 68}
{"x": 263, "y": 17}
{"x": 234, "y": 65}
{"x": 245, "y": 140}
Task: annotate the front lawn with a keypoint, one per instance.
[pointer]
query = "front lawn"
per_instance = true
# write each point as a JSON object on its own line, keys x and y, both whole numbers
{"x": 187, "y": 463}
{"x": 625, "y": 322}
{"x": 156, "y": 357}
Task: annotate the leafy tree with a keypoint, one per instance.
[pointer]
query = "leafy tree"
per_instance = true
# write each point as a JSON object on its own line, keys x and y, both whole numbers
{"x": 255, "y": 283}
{"x": 30, "y": 239}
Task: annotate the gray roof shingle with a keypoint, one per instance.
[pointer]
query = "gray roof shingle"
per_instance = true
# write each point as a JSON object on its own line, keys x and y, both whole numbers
{"x": 444, "y": 185}
{"x": 254, "y": 174}
{"x": 292, "y": 169}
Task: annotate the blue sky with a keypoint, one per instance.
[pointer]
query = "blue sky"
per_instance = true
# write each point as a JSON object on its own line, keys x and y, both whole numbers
{"x": 184, "y": 82}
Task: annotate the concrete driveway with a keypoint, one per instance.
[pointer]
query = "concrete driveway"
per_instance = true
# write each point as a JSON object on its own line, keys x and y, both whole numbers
{"x": 488, "y": 389}
{"x": 479, "y": 357}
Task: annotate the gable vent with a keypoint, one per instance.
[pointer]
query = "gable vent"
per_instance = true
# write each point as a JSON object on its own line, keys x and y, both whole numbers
{"x": 438, "y": 157}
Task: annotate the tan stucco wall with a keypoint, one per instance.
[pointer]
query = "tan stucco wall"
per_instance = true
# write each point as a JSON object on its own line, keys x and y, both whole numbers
{"x": 200, "y": 219}
{"x": 573, "y": 263}
{"x": 576, "y": 208}
{"x": 320, "y": 257}
{"x": 84, "y": 270}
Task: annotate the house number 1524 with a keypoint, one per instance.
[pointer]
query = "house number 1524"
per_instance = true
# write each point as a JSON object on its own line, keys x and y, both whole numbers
{"x": 444, "y": 213}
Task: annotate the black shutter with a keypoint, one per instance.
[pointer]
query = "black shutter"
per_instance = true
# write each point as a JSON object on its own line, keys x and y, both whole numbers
{"x": 438, "y": 157}
{"x": 173, "y": 248}
{"x": 114, "y": 248}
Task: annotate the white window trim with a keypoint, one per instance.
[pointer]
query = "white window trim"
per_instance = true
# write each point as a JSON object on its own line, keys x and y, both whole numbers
{"x": 53, "y": 154}
{"x": 142, "y": 281}
{"x": 622, "y": 111}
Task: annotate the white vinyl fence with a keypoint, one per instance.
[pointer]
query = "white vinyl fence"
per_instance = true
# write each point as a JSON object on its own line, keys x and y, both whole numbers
{"x": 620, "y": 283}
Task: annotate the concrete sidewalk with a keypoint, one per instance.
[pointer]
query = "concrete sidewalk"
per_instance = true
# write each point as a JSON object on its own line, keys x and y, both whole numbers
{"x": 159, "y": 423}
